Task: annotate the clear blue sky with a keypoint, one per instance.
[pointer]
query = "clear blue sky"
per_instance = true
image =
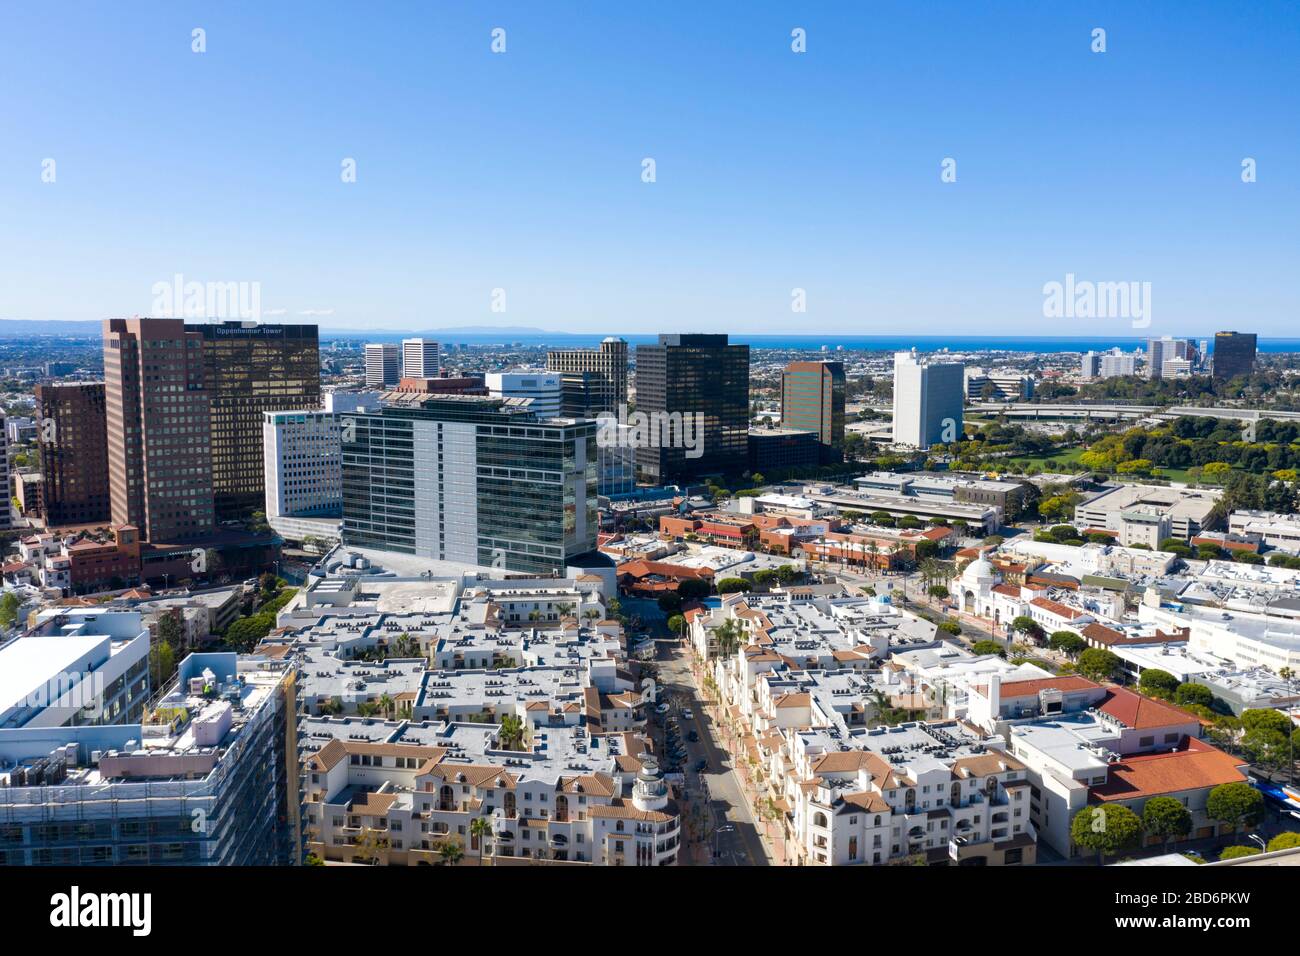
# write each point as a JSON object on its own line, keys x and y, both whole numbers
{"x": 775, "y": 170}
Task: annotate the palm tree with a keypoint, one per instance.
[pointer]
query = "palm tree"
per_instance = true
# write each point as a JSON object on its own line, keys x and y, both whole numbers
{"x": 727, "y": 637}
{"x": 511, "y": 734}
{"x": 451, "y": 853}
{"x": 385, "y": 704}
{"x": 481, "y": 828}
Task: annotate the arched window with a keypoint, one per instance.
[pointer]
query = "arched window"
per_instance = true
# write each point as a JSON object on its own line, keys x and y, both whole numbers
{"x": 955, "y": 794}
{"x": 909, "y": 801}
{"x": 819, "y": 819}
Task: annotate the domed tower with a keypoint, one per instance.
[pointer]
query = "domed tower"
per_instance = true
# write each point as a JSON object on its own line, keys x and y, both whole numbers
{"x": 650, "y": 791}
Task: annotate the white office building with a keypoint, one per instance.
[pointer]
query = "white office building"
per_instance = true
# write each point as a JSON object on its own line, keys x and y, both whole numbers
{"x": 543, "y": 387}
{"x": 420, "y": 358}
{"x": 76, "y": 667}
{"x": 383, "y": 365}
{"x": 928, "y": 398}
{"x": 303, "y": 461}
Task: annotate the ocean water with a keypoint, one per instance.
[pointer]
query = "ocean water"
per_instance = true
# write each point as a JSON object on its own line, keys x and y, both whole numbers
{"x": 883, "y": 343}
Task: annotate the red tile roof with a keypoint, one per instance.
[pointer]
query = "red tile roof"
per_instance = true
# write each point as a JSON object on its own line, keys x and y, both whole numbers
{"x": 1140, "y": 713}
{"x": 1030, "y": 688}
{"x": 1193, "y": 766}
{"x": 1057, "y": 608}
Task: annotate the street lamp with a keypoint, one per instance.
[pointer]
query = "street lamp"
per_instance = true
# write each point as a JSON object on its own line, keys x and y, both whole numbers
{"x": 1258, "y": 839}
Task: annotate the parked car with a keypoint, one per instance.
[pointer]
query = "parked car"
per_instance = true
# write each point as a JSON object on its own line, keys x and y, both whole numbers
{"x": 693, "y": 736}
{"x": 701, "y": 765}
{"x": 688, "y": 715}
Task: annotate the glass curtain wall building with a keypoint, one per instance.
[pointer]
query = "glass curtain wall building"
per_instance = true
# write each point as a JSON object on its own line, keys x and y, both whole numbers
{"x": 470, "y": 479}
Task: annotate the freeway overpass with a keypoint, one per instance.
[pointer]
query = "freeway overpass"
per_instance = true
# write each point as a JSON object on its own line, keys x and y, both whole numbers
{"x": 1115, "y": 413}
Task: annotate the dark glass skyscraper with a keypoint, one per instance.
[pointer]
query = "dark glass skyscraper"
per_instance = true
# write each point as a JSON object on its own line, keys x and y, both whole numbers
{"x": 249, "y": 369}
{"x": 1234, "y": 354}
{"x": 73, "y": 438}
{"x": 813, "y": 398}
{"x": 156, "y": 408}
{"x": 686, "y": 376}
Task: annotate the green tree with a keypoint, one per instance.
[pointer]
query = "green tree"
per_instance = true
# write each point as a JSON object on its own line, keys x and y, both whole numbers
{"x": 1237, "y": 852}
{"x": 677, "y": 624}
{"x": 988, "y": 647}
{"x": 1262, "y": 718}
{"x": 1166, "y": 818}
{"x": 481, "y": 829}
{"x": 1097, "y": 664}
{"x": 732, "y": 585}
{"x": 9, "y": 605}
{"x": 1284, "y": 841}
{"x": 1193, "y": 695}
{"x": 511, "y": 734}
{"x": 1026, "y": 625}
{"x": 450, "y": 852}
{"x": 1157, "y": 683}
{"x": 162, "y": 663}
{"x": 1235, "y": 804}
{"x": 693, "y": 589}
{"x": 726, "y": 637}
{"x": 670, "y": 602}
{"x": 1106, "y": 828}
{"x": 1067, "y": 642}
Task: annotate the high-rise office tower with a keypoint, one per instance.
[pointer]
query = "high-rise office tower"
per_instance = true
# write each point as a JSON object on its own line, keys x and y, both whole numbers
{"x": 542, "y": 388}
{"x": 420, "y": 358}
{"x": 1162, "y": 350}
{"x": 6, "y": 508}
{"x": 1116, "y": 364}
{"x": 1234, "y": 354}
{"x": 303, "y": 455}
{"x": 470, "y": 479}
{"x": 159, "y": 429}
{"x": 383, "y": 365}
{"x": 592, "y": 380}
{"x": 812, "y": 399}
{"x": 73, "y": 441}
{"x": 249, "y": 369}
{"x": 688, "y": 379}
{"x": 1090, "y": 366}
{"x": 928, "y": 398}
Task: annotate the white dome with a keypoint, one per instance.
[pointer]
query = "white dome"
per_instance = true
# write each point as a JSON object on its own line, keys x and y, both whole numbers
{"x": 978, "y": 570}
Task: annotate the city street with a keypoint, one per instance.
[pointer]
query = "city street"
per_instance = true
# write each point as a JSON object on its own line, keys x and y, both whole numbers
{"x": 728, "y": 828}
